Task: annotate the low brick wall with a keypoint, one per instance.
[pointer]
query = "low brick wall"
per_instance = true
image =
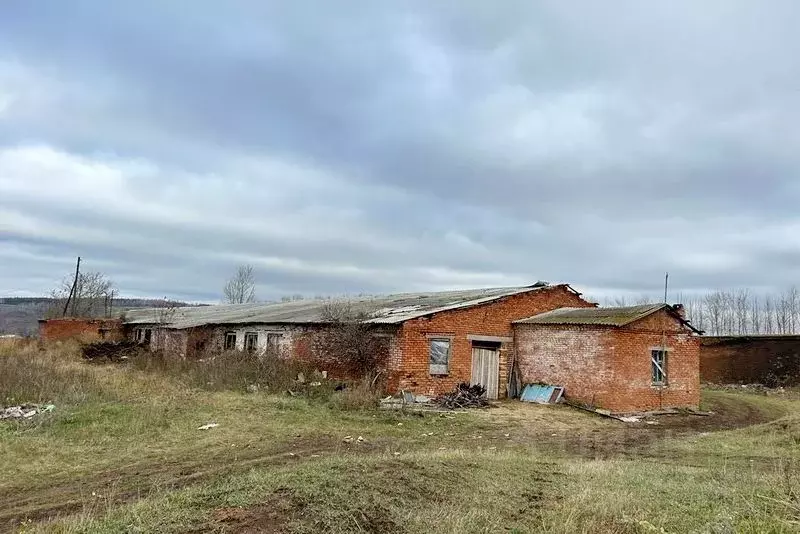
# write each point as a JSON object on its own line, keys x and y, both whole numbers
{"x": 769, "y": 360}
{"x": 85, "y": 330}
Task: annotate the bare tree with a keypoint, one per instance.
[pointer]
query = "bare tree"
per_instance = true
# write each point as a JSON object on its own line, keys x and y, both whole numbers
{"x": 349, "y": 343}
{"x": 241, "y": 287}
{"x": 92, "y": 296}
{"x": 769, "y": 314}
{"x": 618, "y": 301}
{"x": 741, "y": 309}
{"x": 793, "y": 305}
{"x": 756, "y": 315}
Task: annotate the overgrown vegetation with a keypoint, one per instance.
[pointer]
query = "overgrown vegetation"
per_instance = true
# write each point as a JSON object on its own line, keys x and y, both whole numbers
{"x": 230, "y": 370}
{"x": 122, "y": 452}
{"x": 28, "y": 374}
{"x": 350, "y": 345}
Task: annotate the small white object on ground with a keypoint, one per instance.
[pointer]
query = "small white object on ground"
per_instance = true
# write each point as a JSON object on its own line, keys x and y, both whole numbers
{"x": 208, "y": 426}
{"x": 25, "y": 411}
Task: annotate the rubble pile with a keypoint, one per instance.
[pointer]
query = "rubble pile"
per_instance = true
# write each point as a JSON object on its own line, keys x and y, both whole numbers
{"x": 24, "y": 411}
{"x": 110, "y": 350}
{"x": 463, "y": 396}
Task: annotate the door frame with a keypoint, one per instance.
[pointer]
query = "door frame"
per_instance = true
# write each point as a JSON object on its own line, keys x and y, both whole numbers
{"x": 493, "y": 392}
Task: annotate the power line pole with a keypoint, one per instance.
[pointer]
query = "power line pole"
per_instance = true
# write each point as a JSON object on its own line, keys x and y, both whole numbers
{"x": 74, "y": 285}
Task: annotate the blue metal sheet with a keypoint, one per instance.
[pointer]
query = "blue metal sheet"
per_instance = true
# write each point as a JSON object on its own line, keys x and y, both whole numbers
{"x": 541, "y": 394}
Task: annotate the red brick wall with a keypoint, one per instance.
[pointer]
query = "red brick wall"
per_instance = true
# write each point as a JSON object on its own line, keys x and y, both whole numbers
{"x": 85, "y": 330}
{"x": 770, "y": 360}
{"x": 491, "y": 319}
{"x": 610, "y": 367}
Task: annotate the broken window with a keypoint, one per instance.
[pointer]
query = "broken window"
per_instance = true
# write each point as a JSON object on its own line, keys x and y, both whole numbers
{"x": 658, "y": 361}
{"x": 250, "y": 341}
{"x": 143, "y": 335}
{"x": 230, "y": 340}
{"x": 274, "y": 342}
{"x": 439, "y": 356}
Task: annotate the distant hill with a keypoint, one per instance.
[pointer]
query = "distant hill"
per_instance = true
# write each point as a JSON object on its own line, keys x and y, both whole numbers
{"x": 20, "y": 315}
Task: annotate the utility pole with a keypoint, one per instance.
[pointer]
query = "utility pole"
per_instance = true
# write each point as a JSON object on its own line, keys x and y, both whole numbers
{"x": 664, "y": 342}
{"x": 74, "y": 285}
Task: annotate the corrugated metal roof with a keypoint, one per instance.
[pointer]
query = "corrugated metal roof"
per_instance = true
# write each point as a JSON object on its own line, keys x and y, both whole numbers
{"x": 595, "y": 316}
{"x": 391, "y": 309}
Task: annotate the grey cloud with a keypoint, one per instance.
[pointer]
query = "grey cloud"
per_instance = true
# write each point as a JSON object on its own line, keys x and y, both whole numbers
{"x": 491, "y": 144}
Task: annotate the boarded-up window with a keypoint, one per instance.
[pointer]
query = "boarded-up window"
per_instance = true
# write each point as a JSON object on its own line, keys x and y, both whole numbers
{"x": 439, "y": 356}
{"x": 230, "y": 340}
{"x": 250, "y": 341}
{"x": 658, "y": 364}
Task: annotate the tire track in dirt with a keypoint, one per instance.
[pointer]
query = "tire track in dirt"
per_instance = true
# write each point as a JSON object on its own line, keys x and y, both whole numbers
{"x": 132, "y": 483}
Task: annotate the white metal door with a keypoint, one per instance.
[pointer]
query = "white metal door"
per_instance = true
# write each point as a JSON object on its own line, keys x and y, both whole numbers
{"x": 486, "y": 370}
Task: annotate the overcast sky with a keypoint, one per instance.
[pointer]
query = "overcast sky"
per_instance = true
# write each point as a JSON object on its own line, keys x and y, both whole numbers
{"x": 347, "y": 147}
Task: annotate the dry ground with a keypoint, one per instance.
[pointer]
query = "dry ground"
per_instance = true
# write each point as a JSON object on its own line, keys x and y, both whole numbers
{"x": 122, "y": 453}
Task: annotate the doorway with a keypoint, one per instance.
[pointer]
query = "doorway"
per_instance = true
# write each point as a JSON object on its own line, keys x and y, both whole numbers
{"x": 486, "y": 367}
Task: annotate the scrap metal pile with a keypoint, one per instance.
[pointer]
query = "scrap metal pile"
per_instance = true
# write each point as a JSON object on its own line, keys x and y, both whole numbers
{"x": 463, "y": 396}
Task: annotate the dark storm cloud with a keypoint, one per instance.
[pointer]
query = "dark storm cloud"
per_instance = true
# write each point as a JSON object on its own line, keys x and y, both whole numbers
{"x": 373, "y": 147}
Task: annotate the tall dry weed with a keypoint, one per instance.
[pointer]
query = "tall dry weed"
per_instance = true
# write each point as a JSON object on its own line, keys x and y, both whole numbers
{"x": 219, "y": 371}
{"x": 30, "y": 374}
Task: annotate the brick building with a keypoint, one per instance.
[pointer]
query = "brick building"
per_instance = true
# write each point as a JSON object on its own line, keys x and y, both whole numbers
{"x": 84, "y": 330}
{"x": 621, "y": 359}
{"x": 435, "y": 340}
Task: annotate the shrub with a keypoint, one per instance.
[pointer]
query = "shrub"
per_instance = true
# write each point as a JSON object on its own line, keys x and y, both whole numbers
{"x": 349, "y": 345}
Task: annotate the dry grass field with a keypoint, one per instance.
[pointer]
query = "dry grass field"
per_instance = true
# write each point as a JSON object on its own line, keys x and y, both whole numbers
{"x": 121, "y": 452}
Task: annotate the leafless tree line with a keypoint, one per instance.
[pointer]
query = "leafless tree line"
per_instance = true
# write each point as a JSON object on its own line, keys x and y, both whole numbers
{"x": 737, "y": 311}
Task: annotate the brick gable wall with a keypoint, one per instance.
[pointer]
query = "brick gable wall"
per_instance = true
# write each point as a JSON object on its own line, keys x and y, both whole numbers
{"x": 610, "y": 367}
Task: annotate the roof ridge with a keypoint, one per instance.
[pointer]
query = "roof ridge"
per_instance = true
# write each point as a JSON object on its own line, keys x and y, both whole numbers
{"x": 388, "y": 309}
